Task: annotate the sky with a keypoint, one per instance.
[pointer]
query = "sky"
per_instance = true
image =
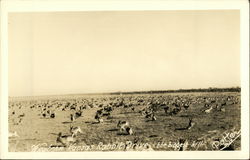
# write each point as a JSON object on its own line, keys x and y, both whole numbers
{"x": 53, "y": 53}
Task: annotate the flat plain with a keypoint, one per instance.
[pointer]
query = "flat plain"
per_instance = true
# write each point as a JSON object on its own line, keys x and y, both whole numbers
{"x": 156, "y": 122}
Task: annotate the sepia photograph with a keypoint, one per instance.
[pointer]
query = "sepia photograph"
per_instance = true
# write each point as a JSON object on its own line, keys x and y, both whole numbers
{"x": 124, "y": 81}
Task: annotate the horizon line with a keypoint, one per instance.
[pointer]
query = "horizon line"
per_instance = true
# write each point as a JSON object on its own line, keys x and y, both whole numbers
{"x": 138, "y": 92}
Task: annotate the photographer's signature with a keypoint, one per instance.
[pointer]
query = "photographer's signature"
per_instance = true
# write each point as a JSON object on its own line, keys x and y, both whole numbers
{"x": 227, "y": 139}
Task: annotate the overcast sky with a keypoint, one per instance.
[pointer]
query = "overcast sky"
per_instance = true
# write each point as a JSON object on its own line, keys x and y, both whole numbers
{"x": 86, "y": 52}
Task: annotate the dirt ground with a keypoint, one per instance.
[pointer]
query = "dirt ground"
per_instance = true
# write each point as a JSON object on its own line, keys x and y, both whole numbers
{"x": 36, "y": 133}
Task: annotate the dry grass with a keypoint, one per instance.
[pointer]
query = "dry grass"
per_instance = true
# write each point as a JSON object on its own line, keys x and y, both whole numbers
{"x": 34, "y": 129}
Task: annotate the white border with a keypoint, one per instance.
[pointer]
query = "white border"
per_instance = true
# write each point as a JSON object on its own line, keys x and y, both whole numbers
{"x": 105, "y": 5}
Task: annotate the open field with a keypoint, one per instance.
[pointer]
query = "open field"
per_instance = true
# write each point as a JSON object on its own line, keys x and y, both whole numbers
{"x": 160, "y": 122}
